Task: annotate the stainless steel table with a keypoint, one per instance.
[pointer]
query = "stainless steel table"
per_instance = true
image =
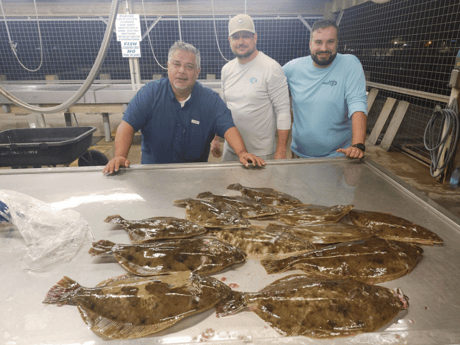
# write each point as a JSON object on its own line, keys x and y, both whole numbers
{"x": 139, "y": 192}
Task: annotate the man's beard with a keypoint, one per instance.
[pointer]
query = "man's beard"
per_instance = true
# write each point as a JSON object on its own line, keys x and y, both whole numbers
{"x": 323, "y": 62}
{"x": 245, "y": 55}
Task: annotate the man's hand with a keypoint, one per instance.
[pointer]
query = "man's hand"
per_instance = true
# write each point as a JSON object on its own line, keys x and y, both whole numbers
{"x": 352, "y": 152}
{"x": 215, "y": 148}
{"x": 114, "y": 165}
{"x": 246, "y": 157}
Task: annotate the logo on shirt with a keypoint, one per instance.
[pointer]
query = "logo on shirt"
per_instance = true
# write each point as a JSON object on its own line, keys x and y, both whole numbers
{"x": 253, "y": 80}
{"x": 330, "y": 82}
{"x": 196, "y": 122}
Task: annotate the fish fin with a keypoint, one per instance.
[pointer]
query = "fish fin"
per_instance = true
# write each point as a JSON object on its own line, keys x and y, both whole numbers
{"x": 101, "y": 247}
{"x": 204, "y": 195}
{"x": 111, "y": 329}
{"x": 136, "y": 269}
{"x": 115, "y": 219}
{"x": 120, "y": 280}
{"x": 266, "y": 217}
{"x": 232, "y": 304}
{"x": 235, "y": 186}
{"x": 280, "y": 256}
{"x": 63, "y": 292}
{"x": 275, "y": 266}
{"x": 181, "y": 202}
{"x": 137, "y": 238}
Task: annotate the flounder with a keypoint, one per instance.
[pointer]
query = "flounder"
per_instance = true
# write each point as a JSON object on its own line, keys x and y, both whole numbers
{"x": 132, "y": 307}
{"x": 267, "y": 196}
{"x": 298, "y": 305}
{"x": 325, "y": 233}
{"x": 248, "y": 208}
{"x": 394, "y": 228}
{"x": 309, "y": 213}
{"x": 212, "y": 214}
{"x": 157, "y": 228}
{"x": 205, "y": 255}
{"x": 260, "y": 243}
{"x": 372, "y": 261}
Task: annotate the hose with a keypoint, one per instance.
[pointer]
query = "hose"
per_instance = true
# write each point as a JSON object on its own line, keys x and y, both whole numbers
{"x": 148, "y": 35}
{"x": 437, "y": 148}
{"x": 215, "y": 32}
{"x": 89, "y": 80}
{"x": 13, "y": 45}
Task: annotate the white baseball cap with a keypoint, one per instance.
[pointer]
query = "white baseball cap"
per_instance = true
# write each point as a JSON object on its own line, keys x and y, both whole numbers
{"x": 241, "y": 22}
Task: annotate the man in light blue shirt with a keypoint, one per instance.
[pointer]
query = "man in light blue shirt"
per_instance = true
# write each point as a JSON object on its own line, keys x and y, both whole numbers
{"x": 328, "y": 98}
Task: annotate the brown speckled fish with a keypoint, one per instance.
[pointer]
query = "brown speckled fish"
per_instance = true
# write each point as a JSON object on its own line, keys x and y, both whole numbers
{"x": 326, "y": 233}
{"x": 205, "y": 255}
{"x": 313, "y": 214}
{"x": 260, "y": 243}
{"x": 248, "y": 208}
{"x": 372, "y": 261}
{"x": 157, "y": 228}
{"x": 132, "y": 307}
{"x": 298, "y": 305}
{"x": 394, "y": 228}
{"x": 212, "y": 214}
{"x": 267, "y": 196}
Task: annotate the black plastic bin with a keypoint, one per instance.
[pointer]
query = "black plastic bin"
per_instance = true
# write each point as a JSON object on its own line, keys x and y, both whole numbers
{"x": 43, "y": 146}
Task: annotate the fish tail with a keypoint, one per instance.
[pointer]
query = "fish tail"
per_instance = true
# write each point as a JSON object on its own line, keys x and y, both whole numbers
{"x": 101, "y": 247}
{"x": 275, "y": 266}
{"x": 116, "y": 219}
{"x": 235, "y": 302}
{"x": 235, "y": 186}
{"x": 63, "y": 292}
{"x": 204, "y": 195}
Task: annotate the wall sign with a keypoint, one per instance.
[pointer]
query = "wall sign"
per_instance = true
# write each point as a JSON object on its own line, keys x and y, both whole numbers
{"x": 131, "y": 49}
{"x": 128, "y": 27}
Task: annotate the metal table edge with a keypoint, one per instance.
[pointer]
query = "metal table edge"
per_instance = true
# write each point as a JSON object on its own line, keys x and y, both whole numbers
{"x": 169, "y": 166}
{"x": 414, "y": 193}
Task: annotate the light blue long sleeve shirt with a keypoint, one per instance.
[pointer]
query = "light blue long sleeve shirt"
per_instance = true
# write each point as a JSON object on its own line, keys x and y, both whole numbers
{"x": 323, "y": 101}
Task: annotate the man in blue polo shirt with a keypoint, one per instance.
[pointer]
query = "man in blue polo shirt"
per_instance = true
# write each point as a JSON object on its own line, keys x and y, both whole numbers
{"x": 178, "y": 118}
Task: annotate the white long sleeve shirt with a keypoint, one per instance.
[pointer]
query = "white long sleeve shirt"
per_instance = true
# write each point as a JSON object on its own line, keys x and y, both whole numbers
{"x": 257, "y": 95}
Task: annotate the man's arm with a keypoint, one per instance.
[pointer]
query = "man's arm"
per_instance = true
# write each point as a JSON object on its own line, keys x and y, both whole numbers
{"x": 123, "y": 141}
{"x": 278, "y": 93}
{"x": 235, "y": 140}
{"x": 281, "y": 145}
{"x": 358, "y": 124}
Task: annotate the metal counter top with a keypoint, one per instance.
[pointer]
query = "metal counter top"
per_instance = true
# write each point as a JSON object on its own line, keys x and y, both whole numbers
{"x": 139, "y": 192}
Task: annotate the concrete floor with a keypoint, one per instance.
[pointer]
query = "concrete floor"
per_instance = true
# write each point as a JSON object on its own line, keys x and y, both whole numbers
{"x": 410, "y": 170}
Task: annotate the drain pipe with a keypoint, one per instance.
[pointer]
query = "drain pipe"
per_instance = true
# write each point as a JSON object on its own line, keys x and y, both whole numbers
{"x": 89, "y": 80}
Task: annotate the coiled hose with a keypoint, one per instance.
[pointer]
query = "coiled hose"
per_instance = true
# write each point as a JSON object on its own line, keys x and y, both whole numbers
{"x": 89, "y": 80}
{"x": 438, "y": 145}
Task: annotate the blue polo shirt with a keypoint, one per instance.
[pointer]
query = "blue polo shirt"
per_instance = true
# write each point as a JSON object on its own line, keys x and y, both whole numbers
{"x": 175, "y": 134}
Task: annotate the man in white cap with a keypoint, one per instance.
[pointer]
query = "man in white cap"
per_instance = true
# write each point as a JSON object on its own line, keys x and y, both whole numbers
{"x": 255, "y": 89}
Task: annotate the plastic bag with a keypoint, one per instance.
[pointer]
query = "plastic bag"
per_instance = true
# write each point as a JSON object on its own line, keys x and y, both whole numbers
{"x": 52, "y": 235}
{"x": 5, "y": 216}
